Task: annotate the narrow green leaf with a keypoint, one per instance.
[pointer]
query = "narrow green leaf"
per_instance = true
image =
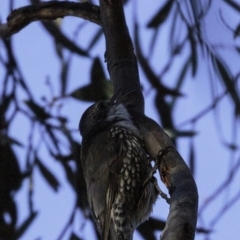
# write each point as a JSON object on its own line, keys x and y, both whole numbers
{"x": 192, "y": 160}
{"x": 51, "y": 134}
{"x": 228, "y": 81}
{"x": 94, "y": 92}
{"x": 180, "y": 80}
{"x": 60, "y": 38}
{"x": 238, "y": 49}
{"x": 39, "y": 111}
{"x": 25, "y": 225}
{"x": 6, "y": 140}
{"x": 203, "y": 230}
{"x": 161, "y": 15}
{"x": 99, "y": 89}
{"x": 74, "y": 237}
{"x": 49, "y": 177}
{"x": 95, "y": 39}
{"x": 237, "y": 31}
{"x": 71, "y": 176}
{"x": 194, "y": 56}
{"x": 64, "y": 75}
{"x": 233, "y": 4}
{"x": 153, "y": 42}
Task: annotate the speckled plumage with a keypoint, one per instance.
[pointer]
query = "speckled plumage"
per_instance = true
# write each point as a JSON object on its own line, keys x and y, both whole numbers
{"x": 115, "y": 166}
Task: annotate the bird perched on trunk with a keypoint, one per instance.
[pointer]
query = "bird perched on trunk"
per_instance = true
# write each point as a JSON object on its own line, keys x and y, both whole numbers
{"x": 115, "y": 166}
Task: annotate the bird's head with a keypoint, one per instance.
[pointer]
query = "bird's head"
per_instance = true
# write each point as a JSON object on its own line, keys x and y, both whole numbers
{"x": 106, "y": 113}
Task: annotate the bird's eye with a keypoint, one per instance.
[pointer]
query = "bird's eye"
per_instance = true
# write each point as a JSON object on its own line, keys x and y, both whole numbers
{"x": 100, "y": 105}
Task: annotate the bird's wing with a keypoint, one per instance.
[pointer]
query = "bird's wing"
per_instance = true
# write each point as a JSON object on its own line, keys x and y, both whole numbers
{"x": 113, "y": 182}
{"x": 101, "y": 166}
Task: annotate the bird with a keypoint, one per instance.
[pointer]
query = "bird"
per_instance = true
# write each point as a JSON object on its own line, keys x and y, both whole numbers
{"x": 115, "y": 167}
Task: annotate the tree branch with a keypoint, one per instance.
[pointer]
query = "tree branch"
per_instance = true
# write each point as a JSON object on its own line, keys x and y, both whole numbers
{"x": 174, "y": 172}
{"x": 181, "y": 221}
{"x": 21, "y": 17}
{"x": 121, "y": 60}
